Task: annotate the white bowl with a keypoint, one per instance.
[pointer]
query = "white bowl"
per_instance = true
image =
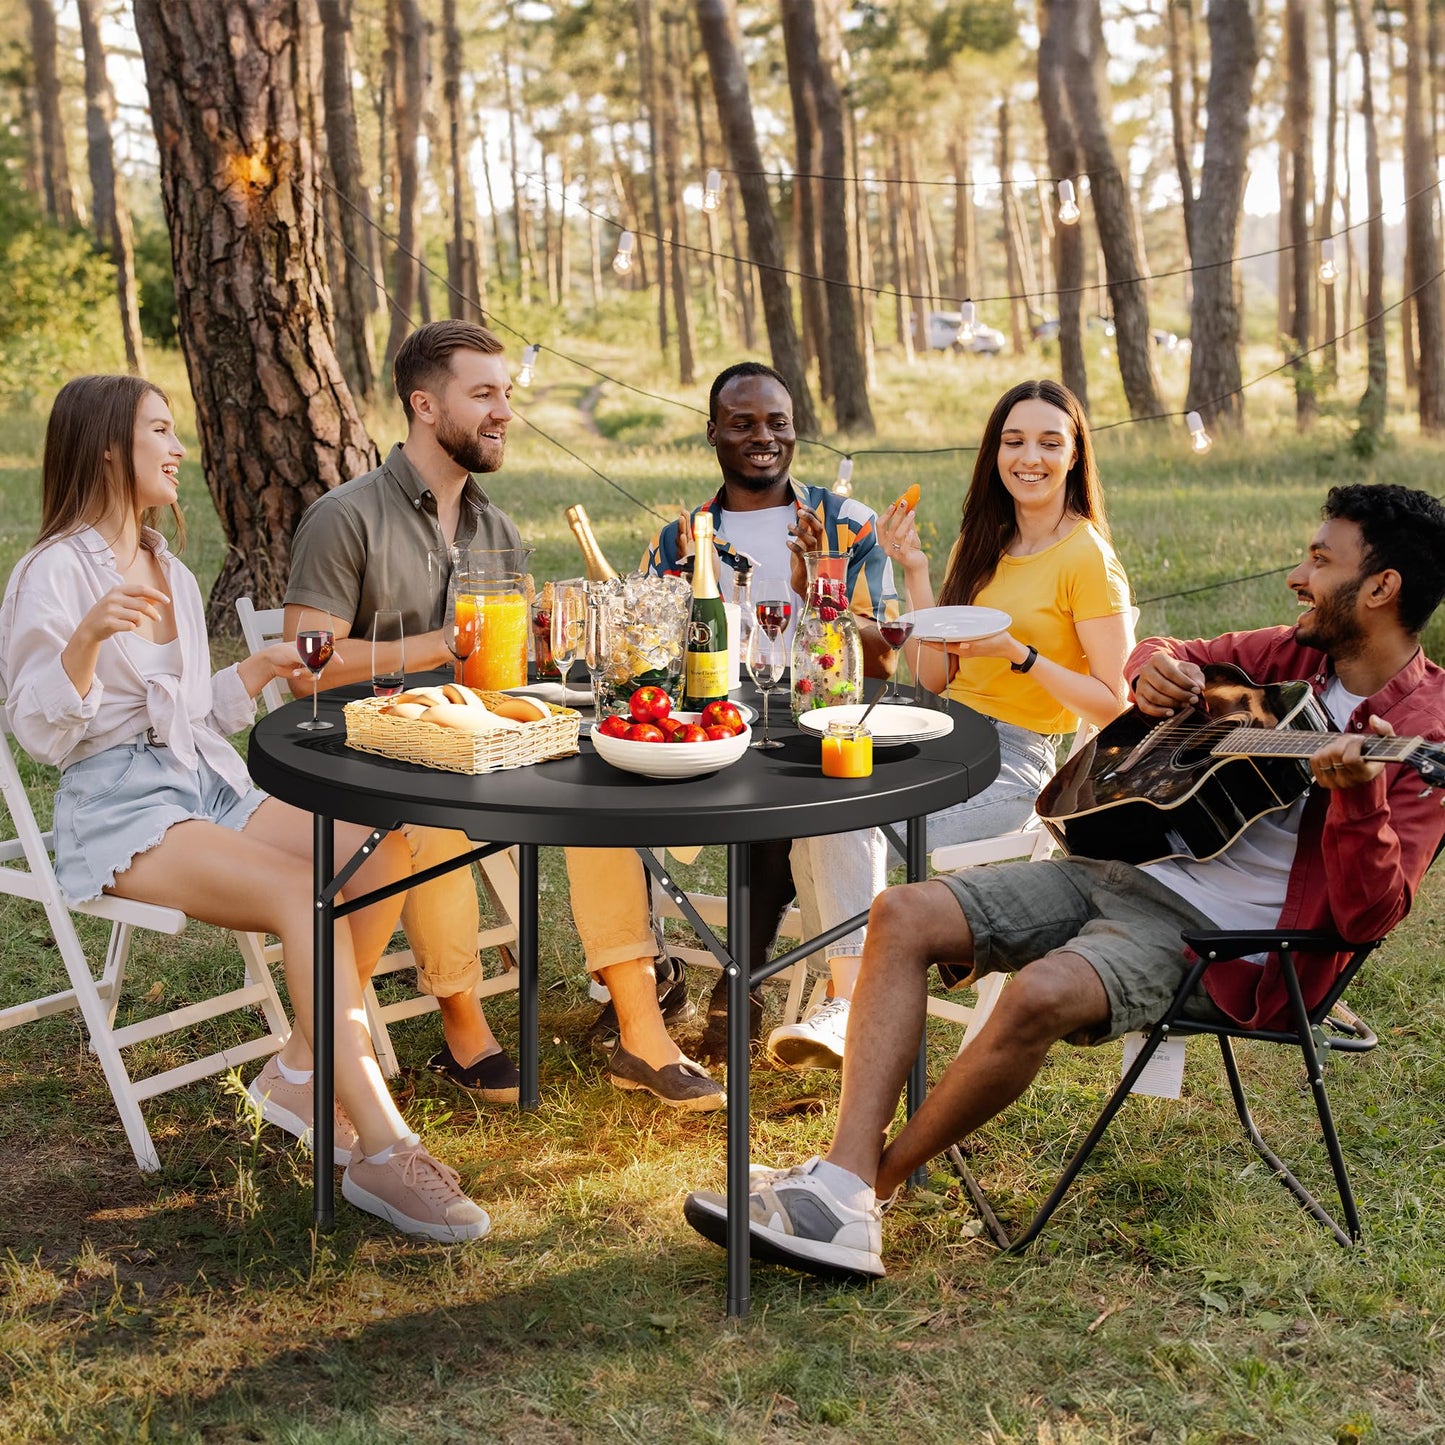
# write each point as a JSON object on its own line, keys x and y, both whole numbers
{"x": 671, "y": 760}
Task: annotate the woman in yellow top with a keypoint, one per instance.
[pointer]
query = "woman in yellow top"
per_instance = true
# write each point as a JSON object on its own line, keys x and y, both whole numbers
{"x": 1034, "y": 543}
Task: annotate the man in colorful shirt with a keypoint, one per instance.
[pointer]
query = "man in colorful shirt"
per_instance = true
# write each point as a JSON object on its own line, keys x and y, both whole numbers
{"x": 762, "y": 512}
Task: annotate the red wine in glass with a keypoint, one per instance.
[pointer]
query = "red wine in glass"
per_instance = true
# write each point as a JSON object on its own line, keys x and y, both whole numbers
{"x": 773, "y": 615}
{"x": 895, "y": 632}
{"x": 315, "y": 646}
{"x": 388, "y": 684}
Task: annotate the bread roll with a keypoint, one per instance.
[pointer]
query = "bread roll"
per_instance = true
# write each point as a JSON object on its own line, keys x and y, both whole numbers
{"x": 467, "y": 719}
{"x": 412, "y": 710}
{"x": 427, "y": 696}
{"x": 520, "y": 709}
{"x": 464, "y": 696}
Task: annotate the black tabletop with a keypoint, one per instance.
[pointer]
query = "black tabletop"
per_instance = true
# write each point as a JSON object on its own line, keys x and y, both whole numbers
{"x": 584, "y": 802}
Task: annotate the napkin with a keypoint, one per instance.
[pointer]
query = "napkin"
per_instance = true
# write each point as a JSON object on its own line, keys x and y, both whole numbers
{"x": 555, "y": 693}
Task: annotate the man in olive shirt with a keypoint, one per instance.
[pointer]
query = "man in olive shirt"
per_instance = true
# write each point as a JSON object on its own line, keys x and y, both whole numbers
{"x": 367, "y": 545}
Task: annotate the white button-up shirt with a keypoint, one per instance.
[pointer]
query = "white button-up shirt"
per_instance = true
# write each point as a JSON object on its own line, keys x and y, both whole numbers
{"x": 48, "y": 593}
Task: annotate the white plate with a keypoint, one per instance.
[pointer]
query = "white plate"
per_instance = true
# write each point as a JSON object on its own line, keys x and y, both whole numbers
{"x": 891, "y": 726}
{"x": 957, "y": 624}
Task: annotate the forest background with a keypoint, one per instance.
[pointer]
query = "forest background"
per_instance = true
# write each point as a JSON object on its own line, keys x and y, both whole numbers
{"x": 252, "y": 202}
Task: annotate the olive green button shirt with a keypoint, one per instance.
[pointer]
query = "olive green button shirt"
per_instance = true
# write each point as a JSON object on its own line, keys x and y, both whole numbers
{"x": 370, "y": 543}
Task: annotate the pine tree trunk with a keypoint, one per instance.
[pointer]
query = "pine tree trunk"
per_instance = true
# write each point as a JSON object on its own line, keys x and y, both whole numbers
{"x": 717, "y": 274}
{"x": 1082, "y": 27}
{"x": 717, "y": 22}
{"x": 466, "y": 298}
{"x": 892, "y": 200}
{"x": 962, "y": 215}
{"x": 863, "y": 242}
{"x": 647, "y": 80}
{"x": 54, "y": 166}
{"x": 521, "y": 215}
{"x": 670, "y": 110}
{"x": 1179, "y": 128}
{"x": 406, "y": 111}
{"x": 800, "y": 41}
{"x": 742, "y": 274}
{"x": 1325, "y": 226}
{"x": 1372, "y": 403}
{"x": 497, "y": 249}
{"x": 1012, "y": 270}
{"x": 109, "y": 211}
{"x": 1214, "y": 319}
{"x": 230, "y": 100}
{"x": 1423, "y": 277}
{"x": 1301, "y": 117}
{"x": 353, "y": 292}
{"x": 917, "y": 266}
{"x": 1064, "y": 160}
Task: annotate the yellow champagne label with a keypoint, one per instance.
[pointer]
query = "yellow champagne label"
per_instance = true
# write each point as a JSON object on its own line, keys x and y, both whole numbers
{"x": 707, "y": 674}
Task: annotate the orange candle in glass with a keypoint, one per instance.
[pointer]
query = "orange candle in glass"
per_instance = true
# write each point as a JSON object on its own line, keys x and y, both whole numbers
{"x": 500, "y": 658}
{"x": 847, "y": 751}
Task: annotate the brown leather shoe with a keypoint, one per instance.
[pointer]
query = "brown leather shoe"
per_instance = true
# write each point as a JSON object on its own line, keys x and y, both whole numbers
{"x": 685, "y": 1085}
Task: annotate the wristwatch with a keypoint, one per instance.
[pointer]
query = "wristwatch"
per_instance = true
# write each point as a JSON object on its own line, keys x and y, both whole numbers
{"x": 1027, "y": 663}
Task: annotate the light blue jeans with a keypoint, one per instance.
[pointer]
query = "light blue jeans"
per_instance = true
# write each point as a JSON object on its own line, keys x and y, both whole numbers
{"x": 837, "y": 875}
{"x": 1026, "y": 762}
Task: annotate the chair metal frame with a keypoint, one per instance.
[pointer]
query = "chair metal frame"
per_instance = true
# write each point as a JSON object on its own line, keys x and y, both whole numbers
{"x": 1327, "y": 1028}
{"x": 27, "y": 872}
{"x": 262, "y": 626}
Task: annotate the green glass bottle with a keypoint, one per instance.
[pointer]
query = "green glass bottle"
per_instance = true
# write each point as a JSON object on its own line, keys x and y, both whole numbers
{"x": 705, "y": 672}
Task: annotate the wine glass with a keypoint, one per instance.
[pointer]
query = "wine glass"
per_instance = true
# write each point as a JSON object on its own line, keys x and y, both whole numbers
{"x": 315, "y": 643}
{"x": 895, "y": 631}
{"x": 388, "y": 653}
{"x": 773, "y": 605}
{"x": 461, "y": 623}
{"x": 569, "y": 625}
{"x": 767, "y": 661}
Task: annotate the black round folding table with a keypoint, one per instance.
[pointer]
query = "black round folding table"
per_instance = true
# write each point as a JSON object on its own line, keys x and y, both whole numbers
{"x": 582, "y": 801}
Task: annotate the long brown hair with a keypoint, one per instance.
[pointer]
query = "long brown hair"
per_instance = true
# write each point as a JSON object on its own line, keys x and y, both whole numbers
{"x": 989, "y": 521}
{"x": 93, "y": 415}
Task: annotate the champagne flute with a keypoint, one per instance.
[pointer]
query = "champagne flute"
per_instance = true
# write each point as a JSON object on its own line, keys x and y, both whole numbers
{"x": 767, "y": 661}
{"x": 388, "y": 653}
{"x": 461, "y": 623}
{"x": 569, "y": 625}
{"x": 895, "y": 631}
{"x": 315, "y": 644}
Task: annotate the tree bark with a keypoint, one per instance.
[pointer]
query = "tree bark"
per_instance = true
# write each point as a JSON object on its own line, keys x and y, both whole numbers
{"x": 1372, "y": 403}
{"x": 1301, "y": 115}
{"x": 1423, "y": 276}
{"x": 463, "y": 274}
{"x": 717, "y": 22}
{"x": 110, "y": 215}
{"x": 892, "y": 201}
{"x": 521, "y": 213}
{"x": 1082, "y": 28}
{"x": 846, "y": 366}
{"x": 406, "y": 110}
{"x": 962, "y": 215}
{"x": 277, "y": 422}
{"x": 353, "y": 292}
{"x": 1214, "y": 321}
{"x": 1180, "y": 130}
{"x": 670, "y": 110}
{"x": 800, "y": 43}
{"x": 710, "y": 218}
{"x": 1064, "y": 160}
{"x": 1013, "y": 269}
{"x": 647, "y": 79}
{"x": 1325, "y": 222}
{"x": 54, "y": 166}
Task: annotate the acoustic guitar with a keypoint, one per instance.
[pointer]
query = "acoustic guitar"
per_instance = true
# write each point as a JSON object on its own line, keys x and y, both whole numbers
{"x": 1187, "y": 786}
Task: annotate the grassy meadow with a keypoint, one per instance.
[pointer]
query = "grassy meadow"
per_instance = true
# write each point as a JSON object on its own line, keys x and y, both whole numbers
{"x": 1179, "y": 1295}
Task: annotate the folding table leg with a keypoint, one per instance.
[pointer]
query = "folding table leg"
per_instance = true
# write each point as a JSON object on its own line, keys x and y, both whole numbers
{"x": 527, "y": 985}
{"x": 739, "y": 1061}
{"x": 917, "y": 860}
{"x": 323, "y": 1021}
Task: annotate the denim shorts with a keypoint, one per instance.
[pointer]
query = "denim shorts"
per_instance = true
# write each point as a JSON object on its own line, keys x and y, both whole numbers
{"x": 1123, "y": 922}
{"x": 117, "y": 804}
{"x": 1026, "y": 761}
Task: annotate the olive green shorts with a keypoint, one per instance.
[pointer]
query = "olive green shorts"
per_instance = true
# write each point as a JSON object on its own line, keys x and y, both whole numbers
{"x": 1124, "y": 923}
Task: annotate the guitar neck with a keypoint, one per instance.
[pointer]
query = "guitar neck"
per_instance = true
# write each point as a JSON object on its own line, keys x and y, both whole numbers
{"x": 1256, "y": 742}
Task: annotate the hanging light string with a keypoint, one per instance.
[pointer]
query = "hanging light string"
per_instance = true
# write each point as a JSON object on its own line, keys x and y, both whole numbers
{"x": 1036, "y": 294}
{"x": 499, "y": 323}
{"x": 951, "y": 185}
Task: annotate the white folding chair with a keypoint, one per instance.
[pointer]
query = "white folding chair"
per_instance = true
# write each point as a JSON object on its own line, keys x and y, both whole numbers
{"x": 26, "y": 872}
{"x": 260, "y": 628}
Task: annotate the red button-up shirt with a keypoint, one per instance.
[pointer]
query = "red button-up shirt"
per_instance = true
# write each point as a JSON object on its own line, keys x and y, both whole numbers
{"x": 1362, "y": 851}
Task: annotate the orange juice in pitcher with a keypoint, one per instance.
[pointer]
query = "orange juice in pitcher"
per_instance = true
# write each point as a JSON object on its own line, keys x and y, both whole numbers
{"x": 500, "y": 658}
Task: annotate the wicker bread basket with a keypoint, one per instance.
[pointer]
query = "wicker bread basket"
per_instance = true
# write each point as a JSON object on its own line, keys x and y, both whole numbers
{"x": 369, "y": 730}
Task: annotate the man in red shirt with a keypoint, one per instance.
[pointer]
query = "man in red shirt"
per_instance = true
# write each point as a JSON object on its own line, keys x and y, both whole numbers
{"x": 1095, "y": 946}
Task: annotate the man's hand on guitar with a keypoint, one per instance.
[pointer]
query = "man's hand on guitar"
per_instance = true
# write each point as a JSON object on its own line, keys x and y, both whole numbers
{"x": 1164, "y": 685}
{"x": 1341, "y": 762}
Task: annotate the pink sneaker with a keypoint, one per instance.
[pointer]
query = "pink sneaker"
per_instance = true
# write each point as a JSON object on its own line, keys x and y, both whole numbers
{"x": 290, "y": 1107}
{"x": 418, "y": 1194}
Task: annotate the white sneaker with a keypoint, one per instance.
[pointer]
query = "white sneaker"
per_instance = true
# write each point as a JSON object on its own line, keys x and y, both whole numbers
{"x": 815, "y": 1042}
{"x": 415, "y": 1192}
{"x": 794, "y": 1219}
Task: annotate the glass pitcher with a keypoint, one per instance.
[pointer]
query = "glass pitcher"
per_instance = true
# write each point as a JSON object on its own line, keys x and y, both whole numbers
{"x": 501, "y": 582}
{"x": 827, "y": 661}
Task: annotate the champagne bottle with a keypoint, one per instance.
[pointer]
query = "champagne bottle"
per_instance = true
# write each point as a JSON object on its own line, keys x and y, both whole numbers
{"x": 705, "y": 675}
{"x": 599, "y": 569}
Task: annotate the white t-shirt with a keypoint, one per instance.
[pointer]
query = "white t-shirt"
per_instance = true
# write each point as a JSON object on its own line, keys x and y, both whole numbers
{"x": 763, "y": 536}
{"x": 1244, "y": 886}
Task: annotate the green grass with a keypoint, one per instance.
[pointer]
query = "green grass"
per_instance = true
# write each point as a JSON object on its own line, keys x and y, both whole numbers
{"x": 1178, "y": 1295}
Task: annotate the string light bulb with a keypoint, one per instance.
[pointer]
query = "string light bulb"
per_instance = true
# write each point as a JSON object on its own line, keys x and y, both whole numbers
{"x": 529, "y": 360}
{"x": 1329, "y": 272}
{"x": 966, "y": 315}
{"x": 1068, "y": 206}
{"x": 710, "y": 189}
{"x": 843, "y": 487}
{"x": 1199, "y": 440}
{"x": 622, "y": 261}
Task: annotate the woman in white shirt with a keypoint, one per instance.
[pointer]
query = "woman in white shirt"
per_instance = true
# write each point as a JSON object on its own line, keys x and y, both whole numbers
{"x": 105, "y": 669}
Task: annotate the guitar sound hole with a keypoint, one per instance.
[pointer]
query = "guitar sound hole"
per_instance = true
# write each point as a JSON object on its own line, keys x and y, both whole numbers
{"x": 1196, "y": 748}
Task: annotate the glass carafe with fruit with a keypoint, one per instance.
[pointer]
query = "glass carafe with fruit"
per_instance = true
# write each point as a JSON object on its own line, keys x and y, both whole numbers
{"x": 827, "y": 656}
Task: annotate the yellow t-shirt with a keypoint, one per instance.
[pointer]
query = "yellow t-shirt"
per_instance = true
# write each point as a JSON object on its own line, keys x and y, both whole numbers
{"x": 1074, "y": 580}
